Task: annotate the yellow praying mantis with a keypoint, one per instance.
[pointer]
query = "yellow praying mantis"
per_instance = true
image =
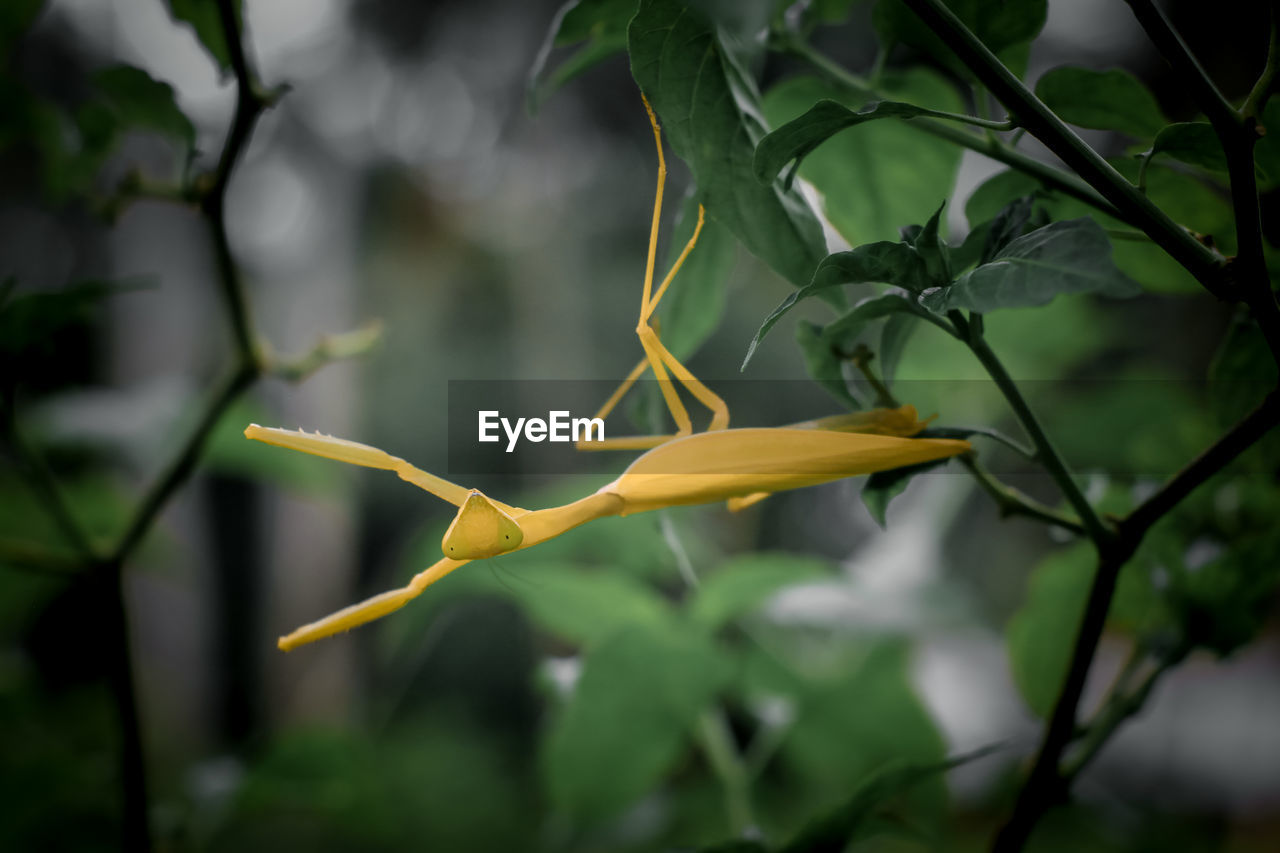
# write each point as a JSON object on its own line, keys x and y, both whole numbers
{"x": 740, "y": 466}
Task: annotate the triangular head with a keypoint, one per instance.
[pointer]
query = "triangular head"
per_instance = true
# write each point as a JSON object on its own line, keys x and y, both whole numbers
{"x": 480, "y": 529}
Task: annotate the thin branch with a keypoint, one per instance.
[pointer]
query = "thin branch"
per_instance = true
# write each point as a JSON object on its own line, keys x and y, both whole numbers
{"x": 1216, "y": 457}
{"x": 1002, "y": 152}
{"x": 717, "y": 744}
{"x": 1261, "y": 91}
{"x": 1120, "y": 706}
{"x": 42, "y": 481}
{"x": 971, "y": 333}
{"x": 1044, "y": 124}
{"x": 329, "y": 348}
{"x": 1012, "y": 502}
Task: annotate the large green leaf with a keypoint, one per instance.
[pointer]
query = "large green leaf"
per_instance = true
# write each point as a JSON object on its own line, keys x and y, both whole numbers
{"x": 1102, "y": 100}
{"x": 202, "y": 16}
{"x": 1187, "y": 200}
{"x": 1002, "y": 26}
{"x": 710, "y": 110}
{"x": 893, "y": 263}
{"x": 1064, "y": 257}
{"x": 640, "y": 691}
{"x": 1225, "y": 604}
{"x": 599, "y": 26}
{"x": 879, "y": 176}
{"x": 744, "y": 583}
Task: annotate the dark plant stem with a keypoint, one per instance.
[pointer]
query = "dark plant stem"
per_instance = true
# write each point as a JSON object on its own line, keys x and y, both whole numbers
{"x": 1045, "y": 787}
{"x": 1009, "y": 501}
{"x": 1031, "y": 113}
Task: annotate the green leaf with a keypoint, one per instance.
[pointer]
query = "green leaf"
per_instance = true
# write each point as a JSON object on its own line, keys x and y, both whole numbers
{"x": 744, "y": 583}
{"x": 585, "y": 606}
{"x": 1009, "y": 224}
{"x": 1041, "y": 635}
{"x": 1187, "y": 200}
{"x": 202, "y": 16}
{"x": 796, "y": 139}
{"x": 890, "y": 263}
{"x": 848, "y": 327}
{"x": 1192, "y": 142}
{"x": 883, "y": 486}
{"x": 1266, "y": 151}
{"x": 710, "y": 110}
{"x": 1102, "y": 100}
{"x": 824, "y": 363}
{"x": 1063, "y": 257}
{"x": 30, "y": 322}
{"x": 999, "y": 25}
{"x": 600, "y": 26}
{"x": 693, "y": 305}
{"x": 880, "y": 175}
{"x": 640, "y": 691}
{"x": 138, "y": 101}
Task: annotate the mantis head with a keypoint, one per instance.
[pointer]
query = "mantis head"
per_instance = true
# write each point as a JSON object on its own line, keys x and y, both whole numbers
{"x": 479, "y": 530}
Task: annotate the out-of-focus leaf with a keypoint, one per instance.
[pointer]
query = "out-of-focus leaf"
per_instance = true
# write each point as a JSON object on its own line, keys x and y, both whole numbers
{"x": 1225, "y": 604}
{"x": 31, "y": 323}
{"x": 1102, "y": 100}
{"x": 694, "y": 304}
{"x": 710, "y": 110}
{"x": 796, "y": 139}
{"x": 585, "y": 606}
{"x": 881, "y": 175}
{"x": 1192, "y": 142}
{"x": 1000, "y": 26}
{"x": 16, "y": 17}
{"x": 891, "y": 263}
{"x": 854, "y": 817}
{"x": 640, "y": 691}
{"x": 138, "y": 101}
{"x": 824, "y": 363}
{"x": 1184, "y": 198}
{"x": 229, "y": 452}
{"x": 744, "y": 583}
{"x": 202, "y": 16}
{"x": 1064, "y": 257}
{"x": 599, "y": 26}
{"x": 883, "y": 486}
{"x": 1242, "y": 371}
{"x": 849, "y": 728}
{"x": 1041, "y": 635}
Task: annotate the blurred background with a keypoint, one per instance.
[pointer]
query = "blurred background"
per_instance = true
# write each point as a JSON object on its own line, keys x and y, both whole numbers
{"x": 402, "y": 179}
